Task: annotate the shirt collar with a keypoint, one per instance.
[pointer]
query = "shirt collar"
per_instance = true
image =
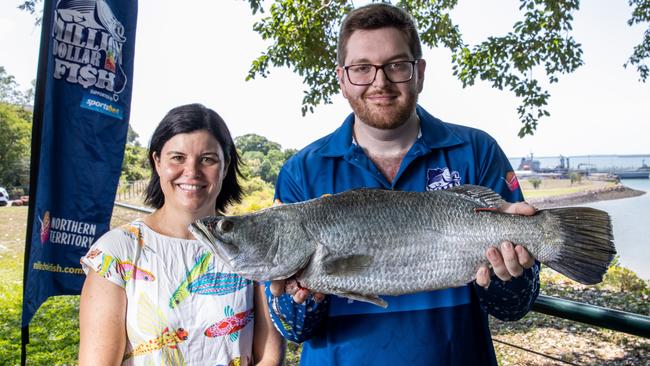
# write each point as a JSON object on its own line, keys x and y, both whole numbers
{"x": 434, "y": 134}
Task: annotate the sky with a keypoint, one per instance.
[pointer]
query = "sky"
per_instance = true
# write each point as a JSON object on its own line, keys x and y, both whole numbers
{"x": 201, "y": 52}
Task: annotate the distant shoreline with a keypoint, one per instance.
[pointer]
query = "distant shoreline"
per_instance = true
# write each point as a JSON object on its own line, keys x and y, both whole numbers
{"x": 615, "y": 192}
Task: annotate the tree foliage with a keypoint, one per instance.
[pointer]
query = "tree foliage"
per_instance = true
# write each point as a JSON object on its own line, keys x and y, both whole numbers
{"x": 303, "y": 37}
{"x": 135, "y": 165}
{"x": 641, "y": 52}
{"x": 261, "y": 157}
{"x": 9, "y": 92}
{"x": 253, "y": 142}
{"x": 15, "y": 133}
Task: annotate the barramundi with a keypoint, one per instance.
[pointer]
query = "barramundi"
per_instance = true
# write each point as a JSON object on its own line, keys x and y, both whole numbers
{"x": 364, "y": 243}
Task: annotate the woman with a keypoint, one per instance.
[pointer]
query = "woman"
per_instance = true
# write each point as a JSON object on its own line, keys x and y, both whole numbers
{"x": 156, "y": 295}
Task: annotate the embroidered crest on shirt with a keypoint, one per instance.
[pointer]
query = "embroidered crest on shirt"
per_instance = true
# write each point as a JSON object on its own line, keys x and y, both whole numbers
{"x": 442, "y": 178}
{"x": 511, "y": 181}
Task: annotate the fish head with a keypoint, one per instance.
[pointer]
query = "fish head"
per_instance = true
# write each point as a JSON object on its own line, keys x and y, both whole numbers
{"x": 251, "y": 245}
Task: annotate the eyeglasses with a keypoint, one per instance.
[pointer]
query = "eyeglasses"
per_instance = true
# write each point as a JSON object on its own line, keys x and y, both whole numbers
{"x": 365, "y": 74}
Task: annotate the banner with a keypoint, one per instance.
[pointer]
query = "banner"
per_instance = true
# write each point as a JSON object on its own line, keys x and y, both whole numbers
{"x": 81, "y": 119}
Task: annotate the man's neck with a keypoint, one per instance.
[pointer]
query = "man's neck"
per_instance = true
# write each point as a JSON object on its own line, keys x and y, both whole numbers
{"x": 387, "y": 143}
{"x": 387, "y": 148}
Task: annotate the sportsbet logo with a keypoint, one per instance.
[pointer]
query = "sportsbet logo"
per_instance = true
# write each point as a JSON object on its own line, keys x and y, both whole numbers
{"x": 107, "y": 108}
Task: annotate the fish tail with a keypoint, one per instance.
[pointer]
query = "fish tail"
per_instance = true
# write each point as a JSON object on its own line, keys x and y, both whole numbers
{"x": 587, "y": 246}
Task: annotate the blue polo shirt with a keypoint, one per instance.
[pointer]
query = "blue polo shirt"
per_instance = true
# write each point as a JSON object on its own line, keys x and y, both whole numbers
{"x": 444, "y": 327}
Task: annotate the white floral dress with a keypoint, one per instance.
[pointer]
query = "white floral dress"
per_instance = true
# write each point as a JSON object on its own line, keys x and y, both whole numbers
{"x": 183, "y": 307}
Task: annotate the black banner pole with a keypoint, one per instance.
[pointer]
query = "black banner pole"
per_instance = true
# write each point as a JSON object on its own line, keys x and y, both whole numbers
{"x": 37, "y": 127}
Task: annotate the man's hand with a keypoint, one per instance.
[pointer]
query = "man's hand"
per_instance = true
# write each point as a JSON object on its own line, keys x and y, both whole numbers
{"x": 510, "y": 261}
{"x": 292, "y": 287}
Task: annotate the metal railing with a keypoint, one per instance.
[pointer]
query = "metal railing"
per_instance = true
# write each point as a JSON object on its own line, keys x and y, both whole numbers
{"x": 617, "y": 320}
{"x": 131, "y": 189}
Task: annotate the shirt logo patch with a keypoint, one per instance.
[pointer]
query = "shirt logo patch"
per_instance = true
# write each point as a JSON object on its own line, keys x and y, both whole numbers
{"x": 511, "y": 181}
{"x": 442, "y": 178}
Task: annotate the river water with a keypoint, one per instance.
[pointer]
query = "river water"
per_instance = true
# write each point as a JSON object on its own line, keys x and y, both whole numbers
{"x": 631, "y": 224}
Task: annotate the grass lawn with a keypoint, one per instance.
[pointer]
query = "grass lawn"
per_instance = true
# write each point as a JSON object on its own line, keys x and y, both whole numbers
{"x": 54, "y": 331}
{"x": 559, "y": 187}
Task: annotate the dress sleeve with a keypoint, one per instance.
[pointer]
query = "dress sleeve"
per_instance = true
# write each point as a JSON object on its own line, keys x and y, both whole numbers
{"x": 105, "y": 256}
{"x": 506, "y": 300}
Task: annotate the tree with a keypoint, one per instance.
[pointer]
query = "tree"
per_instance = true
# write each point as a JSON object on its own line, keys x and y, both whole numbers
{"x": 641, "y": 53}
{"x": 135, "y": 165}
{"x": 261, "y": 157}
{"x": 253, "y": 142}
{"x": 132, "y": 137}
{"x": 536, "y": 182}
{"x": 303, "y": 37}
{"x": 15, "y": 133}
{"x": 9, "y": 92}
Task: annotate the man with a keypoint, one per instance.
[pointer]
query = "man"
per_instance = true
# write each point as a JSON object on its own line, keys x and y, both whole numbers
{"x": 390, "y": 142}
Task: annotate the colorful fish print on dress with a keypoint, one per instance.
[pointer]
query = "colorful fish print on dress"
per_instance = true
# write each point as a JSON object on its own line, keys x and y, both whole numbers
{"x": 134, "y": 233}
{"x": 129, "y": 271}
{"x": 126, "y": 269}
{"x": 93, "y": 253}
{"x": 218, "y": 284}
{"x": 201, "y": 266}
{"x": 151, "y": 320}
{"x": 105, "y": 266}
{"x": 231, "y": 325}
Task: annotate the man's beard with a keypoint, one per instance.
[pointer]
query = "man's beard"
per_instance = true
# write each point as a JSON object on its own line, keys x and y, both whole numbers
{"x": 385, "y": 117}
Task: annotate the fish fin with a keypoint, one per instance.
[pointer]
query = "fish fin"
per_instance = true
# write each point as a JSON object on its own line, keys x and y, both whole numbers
{"x": 373, "y": 299}
{"x": 346, "y": 265}
{"x": 482, "y": 195}
{"x": 587, "y": 246}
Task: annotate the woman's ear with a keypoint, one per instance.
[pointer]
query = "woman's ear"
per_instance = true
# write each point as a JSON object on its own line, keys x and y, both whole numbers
{"x": 156, "y": 161}
{"x": 226, "y": 165}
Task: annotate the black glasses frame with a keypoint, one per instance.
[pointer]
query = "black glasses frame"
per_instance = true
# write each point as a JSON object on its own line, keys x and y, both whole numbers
{"x": 377, "y": 67}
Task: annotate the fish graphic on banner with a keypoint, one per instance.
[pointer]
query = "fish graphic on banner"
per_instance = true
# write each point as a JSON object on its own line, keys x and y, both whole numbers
{"x": 81, "y": 119}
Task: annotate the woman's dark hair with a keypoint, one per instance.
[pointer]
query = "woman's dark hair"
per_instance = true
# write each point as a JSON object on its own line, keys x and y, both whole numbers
{"x": 376, "y": 16}
{"x": 187, "y": 119}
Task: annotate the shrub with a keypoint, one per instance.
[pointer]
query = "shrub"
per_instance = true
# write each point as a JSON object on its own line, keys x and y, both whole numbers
{"x": 575, "y": 177}
{"x": 624, "y": 280}
{"x": 536, "y": 182}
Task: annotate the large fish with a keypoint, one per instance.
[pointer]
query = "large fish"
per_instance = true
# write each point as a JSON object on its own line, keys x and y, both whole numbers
{"x": 368, "y": 242}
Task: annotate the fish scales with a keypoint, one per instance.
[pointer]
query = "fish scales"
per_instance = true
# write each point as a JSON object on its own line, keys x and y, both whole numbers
{"x": 411, "y": 245}
{"x": 370, "y": 242}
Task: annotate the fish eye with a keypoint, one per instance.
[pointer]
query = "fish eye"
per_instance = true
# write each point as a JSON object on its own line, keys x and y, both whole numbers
{"x": 225, "y": 225}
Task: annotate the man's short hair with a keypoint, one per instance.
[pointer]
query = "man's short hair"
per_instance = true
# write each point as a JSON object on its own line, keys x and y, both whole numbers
{"x": 376, "y": 16}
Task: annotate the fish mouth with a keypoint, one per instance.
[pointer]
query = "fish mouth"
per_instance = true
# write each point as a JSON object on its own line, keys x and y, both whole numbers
{"x": 228, "y": 252}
